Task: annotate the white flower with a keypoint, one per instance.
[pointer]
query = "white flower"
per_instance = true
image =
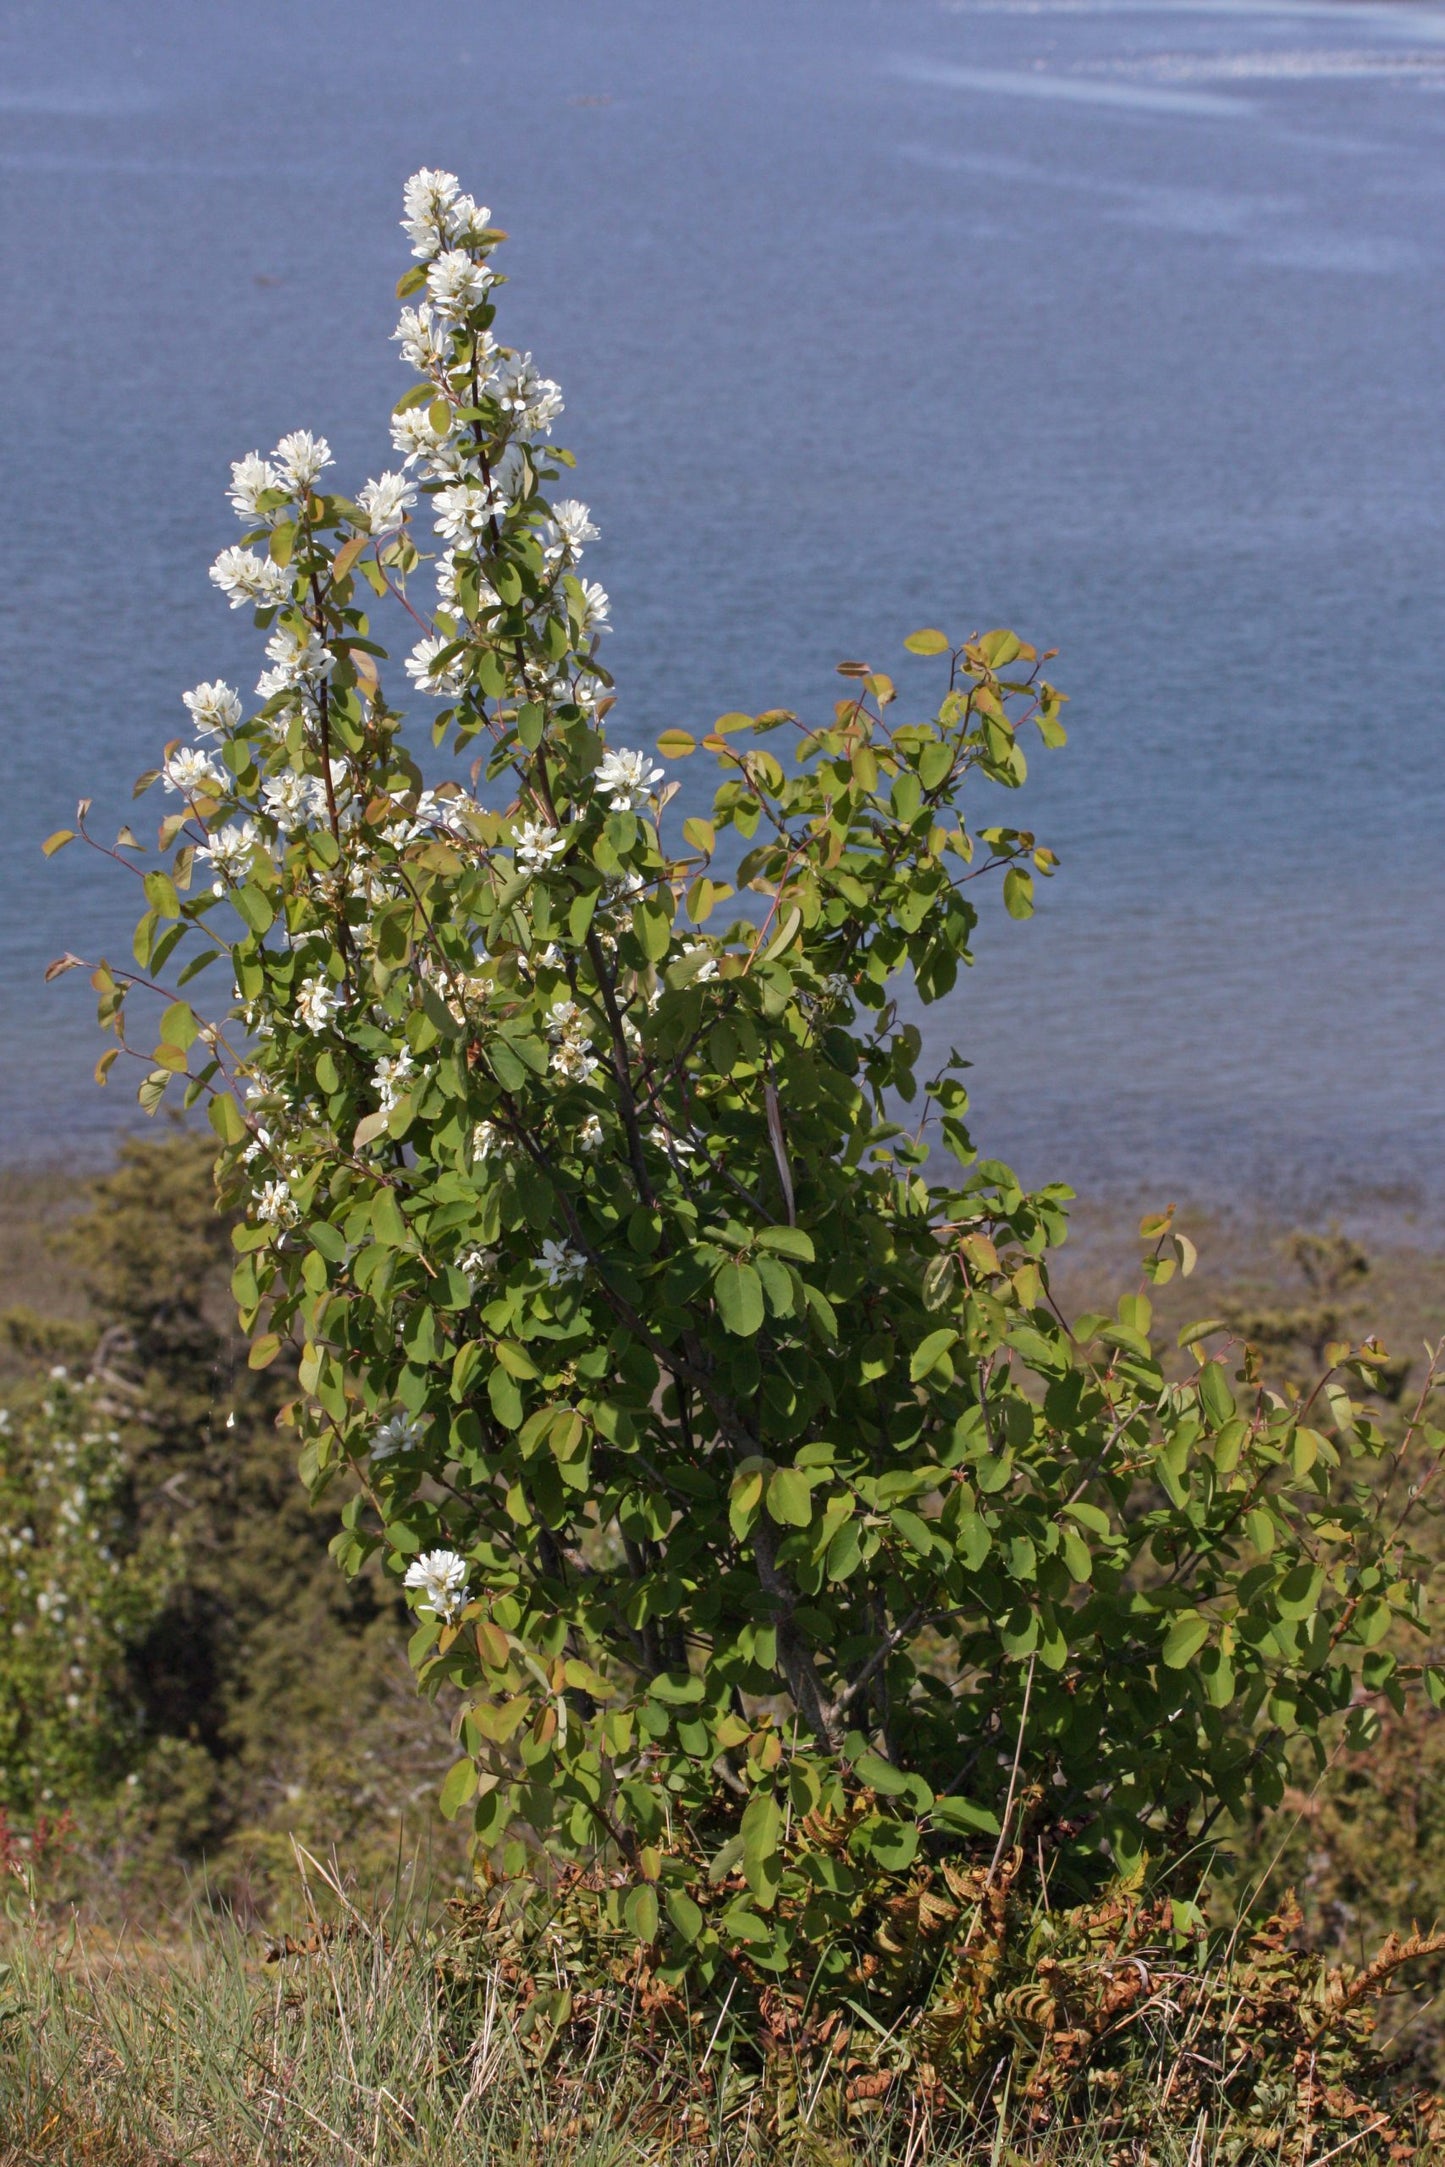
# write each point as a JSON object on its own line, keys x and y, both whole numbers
{"x": 231, "y": 849}
{"x": 490, "y": 1141}
{"x": 391, "y": 1076}
{"x": 420, "y": 339}
{"x": 413, "y": 435}
{"x": 704, "y": 971}
{"x": 447, "y": 595}
{"x": 294, "y": 801}
{"x": 534, "y": 844}
{"x": 571, "y": 1047}
{"x": 574, "y": 524}
{"x": 532, "y": 402}
{"x": 666, "y": 1141}
{"x": 275, "y": 1206}
{"x": 594, "y": 607}
{"x": 251, "y": 477}
{"x": 561, "y": 1263}
{"x": 442, "y": 1577}
{"x": 467, "y": 510}
{"x": 300, "y": 458}
{"x": 456, "y": 285}
{"x": 399, "y": 1434}
{"x": 317, "y": 1003}
{"x": 475, "y": 1264}
{"x": 627, "y": 778}
{"x": 386, "y": 501}
{"x": 214, "y": 709}
{"x": 427, "y": 199}
{"x": 837, "y": 986}
{"x": 591, "y": 1136}
{"x": 191, "y": 772}
{"x": 573, "y": 1060}
{"x": 467, "y": 219}
{"x": 245, "y": 577}
{"x": 444, "y": 683}
{"x": 564, "y": 1019}
{"x": 297, "y": 659}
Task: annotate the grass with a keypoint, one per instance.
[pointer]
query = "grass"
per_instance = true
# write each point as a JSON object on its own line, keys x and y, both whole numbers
{"x": 354, "y": 2043}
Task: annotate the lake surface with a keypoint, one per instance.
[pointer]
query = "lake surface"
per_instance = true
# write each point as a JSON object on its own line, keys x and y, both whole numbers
{"x": 1120, "y": 323}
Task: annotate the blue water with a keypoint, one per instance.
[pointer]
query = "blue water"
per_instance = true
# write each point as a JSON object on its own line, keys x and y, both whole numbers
{"x": 1119, "y": 323}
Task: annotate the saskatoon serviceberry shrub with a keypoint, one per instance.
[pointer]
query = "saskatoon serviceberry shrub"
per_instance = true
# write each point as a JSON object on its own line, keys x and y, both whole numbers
{"x": 772, "y": 1530}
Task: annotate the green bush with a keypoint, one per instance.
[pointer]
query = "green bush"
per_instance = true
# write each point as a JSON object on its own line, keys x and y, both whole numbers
{"x": 776, "y": 1534}
{"x": 75, "y": 1597}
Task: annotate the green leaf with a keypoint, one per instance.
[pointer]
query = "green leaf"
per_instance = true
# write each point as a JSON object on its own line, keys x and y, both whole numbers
{"x": 254, "y": 905}
{"x": 739, "y": 1293}
{"x": 225, "y": 1118}
{"x": 57, "y": 841}
{"x": 684, "y": 1915}
{"x": 786, "y": 1241}
{"x": 458, "y": 1785}
{"x": 929, "y": 642}
{"x": 790, "y": 1498}
{"x": 1018, "y": 892}
{"x": 640, "y": 1912}
{"x": 1184, "y": 1639}
{"x": 926, "y": 1356}
{"x": 880, "y": 1775}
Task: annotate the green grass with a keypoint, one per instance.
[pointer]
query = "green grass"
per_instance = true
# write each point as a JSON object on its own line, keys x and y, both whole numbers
{"x": 350, "y": 2045}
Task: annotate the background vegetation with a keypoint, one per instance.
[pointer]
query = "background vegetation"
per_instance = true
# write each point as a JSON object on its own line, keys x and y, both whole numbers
{"x": 220, "y": 1744}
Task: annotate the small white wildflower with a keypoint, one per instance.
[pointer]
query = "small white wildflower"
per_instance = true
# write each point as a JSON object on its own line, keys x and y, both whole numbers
{"x": 244, "y": 577}
{"x": 456, "y": 285}
{"x": 214, "y": 709}
{"x": 385, "y": 502}
{"x": 427, "y": 199}
{"x": 573, "y": 1060}
{"x": 421, "y": 667}
{"x": 420, "y": 340}
{"x": 275, "y": 1205}
{"x": 561, "y": 1263}
{"x": 391, "y": 1076}
{"x": 251, "y": 477}
{"x": 413, "y": 435}
{"x": 531, "y": 402}
{"x": 489, "y": 1141}
{"x": 231, "y": 849}
{"x": 704, "y": 971}
{"x": 300, "y": 458}
{"x": 294, "y": 801}
{"x": 467, "y": 510}
{"x": 297, "y": 658}
{"x": 535, "y": 844}
{"x": 627, "y": 779}
{"x": 193, "y": 773}
{"x": 318, "y": 1003}
{"x": 398, "y": 1434}
{"x": 591, "y": 1136}
{"x": 666, "y": 1141}
{"x": 475, "y": 1264}
{"x": 594, "y": 607}
{"x": 442, "y": 1577}
{"x": 574, "y": 525}
{"x": 837, "y": 986}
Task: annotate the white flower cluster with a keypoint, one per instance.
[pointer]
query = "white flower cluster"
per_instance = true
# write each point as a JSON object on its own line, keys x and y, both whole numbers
{"x": 441, "y": 1577}
{"x": 400, "y": 1433}
{"x": 561, "y": 1263}
{"x": 438, "y": 215}
{"x": 626, "y": 779}
{"x": 572, "y": 1056}
{"x": 391, "y": 1076}
{"x": 536, "y": 845}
